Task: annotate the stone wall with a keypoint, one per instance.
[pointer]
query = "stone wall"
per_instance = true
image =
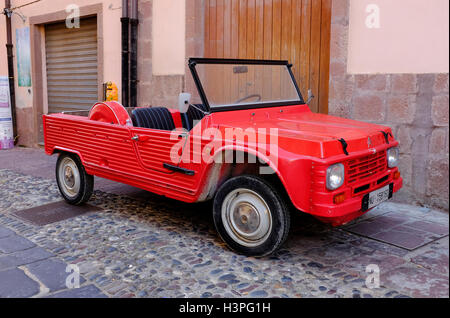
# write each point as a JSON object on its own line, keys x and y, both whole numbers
{"x": 415, "y": 106}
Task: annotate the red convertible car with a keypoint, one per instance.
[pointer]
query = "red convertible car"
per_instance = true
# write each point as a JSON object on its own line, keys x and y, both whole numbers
{"x": 246, "y": 140}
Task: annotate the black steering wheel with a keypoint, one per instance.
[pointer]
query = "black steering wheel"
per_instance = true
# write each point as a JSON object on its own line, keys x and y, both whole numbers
{"x": 248, "y": 97}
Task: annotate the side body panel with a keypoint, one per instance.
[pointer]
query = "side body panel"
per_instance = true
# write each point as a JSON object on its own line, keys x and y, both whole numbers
{"x": 108, "y": 151}
{"x": 155, "y": 147}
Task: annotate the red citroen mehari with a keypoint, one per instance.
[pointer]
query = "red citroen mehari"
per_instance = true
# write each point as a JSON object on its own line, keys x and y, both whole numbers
{"x": 247, "y": 140}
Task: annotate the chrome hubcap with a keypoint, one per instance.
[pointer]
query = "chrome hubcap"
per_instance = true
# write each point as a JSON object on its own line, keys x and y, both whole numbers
{"x": 69, "y": 177}
{"x": 246, "y": 217}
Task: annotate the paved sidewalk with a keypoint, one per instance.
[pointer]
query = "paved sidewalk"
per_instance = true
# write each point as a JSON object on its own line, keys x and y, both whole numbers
{"x": 141, "y": 245}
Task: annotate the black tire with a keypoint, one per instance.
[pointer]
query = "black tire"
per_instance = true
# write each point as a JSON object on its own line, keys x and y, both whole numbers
{"x": 274, "y": 203}
{"x": 85, "y": 182}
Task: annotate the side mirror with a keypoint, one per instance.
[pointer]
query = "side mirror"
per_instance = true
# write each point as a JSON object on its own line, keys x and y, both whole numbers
{"x": 310, "y": 96}
{"x": 184, "y": 100}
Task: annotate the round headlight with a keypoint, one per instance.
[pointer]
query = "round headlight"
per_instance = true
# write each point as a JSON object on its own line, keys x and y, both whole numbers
{"x": 335, "y": 176}
{"x": 393, "y": 157}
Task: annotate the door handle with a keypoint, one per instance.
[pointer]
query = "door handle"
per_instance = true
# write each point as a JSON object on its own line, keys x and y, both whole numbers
{"x": 140, "y": 138}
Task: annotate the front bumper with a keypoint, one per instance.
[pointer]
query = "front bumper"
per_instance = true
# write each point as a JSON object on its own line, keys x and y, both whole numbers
{"x": 324, "y": 208}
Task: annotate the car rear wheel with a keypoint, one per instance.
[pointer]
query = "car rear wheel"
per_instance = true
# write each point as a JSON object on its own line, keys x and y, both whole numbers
{"x": 75, "y": 185}
{"x": 250, "y": 216}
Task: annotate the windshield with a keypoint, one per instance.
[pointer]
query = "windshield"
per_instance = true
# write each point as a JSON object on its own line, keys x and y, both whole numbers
{"x": 231, "y": 85}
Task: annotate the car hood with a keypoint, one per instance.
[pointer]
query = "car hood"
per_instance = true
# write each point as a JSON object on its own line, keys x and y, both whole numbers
{"x": 300, "y": 131}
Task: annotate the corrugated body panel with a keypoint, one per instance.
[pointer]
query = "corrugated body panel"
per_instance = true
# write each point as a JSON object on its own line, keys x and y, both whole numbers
{"x": 157, "y": 150}
{"x": 72, "y": 74}
{"x": 107, "y": 151}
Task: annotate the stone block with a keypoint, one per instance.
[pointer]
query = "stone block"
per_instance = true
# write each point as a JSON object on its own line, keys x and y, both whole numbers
{"x": 14, "y": 243}
{"x": 403, "y": 136}
{"x": 441, "y": 83}
{"x": 376, "y": 82}
{"x": 23, "y": 257}
{"x": 339, "y": 108}
{"x": 439, "y": 110}
{"x": 369, "y": 107}
{"x": 338, "y": 68}
{"x": 401, "y": 109}
{"x": 438, "y": 177}
{"x": 52, "y": 273}
{"x": 438, "y": 142}
{"x": 339, "y": 11}
{"x": 15, "y": 284}
{"x": 4, "y": 232}
{"x": 339, "y": 40}
{"x": 404, "y": 83}
{"x": 405, "y": 167}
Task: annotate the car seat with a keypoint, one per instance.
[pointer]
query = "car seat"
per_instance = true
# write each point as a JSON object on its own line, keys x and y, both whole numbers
{"x": 153, "y": 117}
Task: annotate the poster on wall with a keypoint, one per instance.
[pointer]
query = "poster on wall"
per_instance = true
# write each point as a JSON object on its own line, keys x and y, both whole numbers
{"x": 23, "y": 56}
{"x": 6, "y": 127}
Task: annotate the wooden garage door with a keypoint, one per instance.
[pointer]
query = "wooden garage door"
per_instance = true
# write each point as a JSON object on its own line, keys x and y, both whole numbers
{"x": 71, "y": 56}
{"x": 294, "y": 30}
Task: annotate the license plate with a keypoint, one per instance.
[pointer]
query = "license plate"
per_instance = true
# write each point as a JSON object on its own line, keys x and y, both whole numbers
{"x": 374, "y": 198}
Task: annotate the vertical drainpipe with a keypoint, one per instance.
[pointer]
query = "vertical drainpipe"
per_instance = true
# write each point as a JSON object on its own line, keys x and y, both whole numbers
{"x": 125, "y": 54}
{"x": 9, "y": 49}
{"x": 133, "y": 53}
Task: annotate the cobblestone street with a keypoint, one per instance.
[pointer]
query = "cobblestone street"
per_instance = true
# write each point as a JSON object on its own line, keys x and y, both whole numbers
{"x": 130, "y": 243}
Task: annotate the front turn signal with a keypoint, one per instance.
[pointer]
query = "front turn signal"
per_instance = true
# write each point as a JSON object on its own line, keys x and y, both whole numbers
{"x": 396, "y": 175}
{"x": 339, "y": 198}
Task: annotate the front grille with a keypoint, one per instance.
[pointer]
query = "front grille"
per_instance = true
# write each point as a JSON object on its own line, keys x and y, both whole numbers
{"x": 366, "y": 167}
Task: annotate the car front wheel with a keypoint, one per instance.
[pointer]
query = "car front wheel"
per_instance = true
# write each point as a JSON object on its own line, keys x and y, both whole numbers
{"x": 74, "y": 183}
{"x": 250, "y": 216}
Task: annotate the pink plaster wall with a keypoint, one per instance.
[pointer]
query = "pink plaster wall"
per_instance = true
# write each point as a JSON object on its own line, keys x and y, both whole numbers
{"x": 169, "y": 37}
{"x": 413, "y": 37}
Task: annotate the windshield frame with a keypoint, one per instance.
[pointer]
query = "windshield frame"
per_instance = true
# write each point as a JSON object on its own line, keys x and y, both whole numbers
{"x": 194, "y": 61}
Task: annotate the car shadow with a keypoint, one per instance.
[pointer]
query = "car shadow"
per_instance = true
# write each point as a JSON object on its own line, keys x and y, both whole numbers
{"x": 150, "y": 208}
